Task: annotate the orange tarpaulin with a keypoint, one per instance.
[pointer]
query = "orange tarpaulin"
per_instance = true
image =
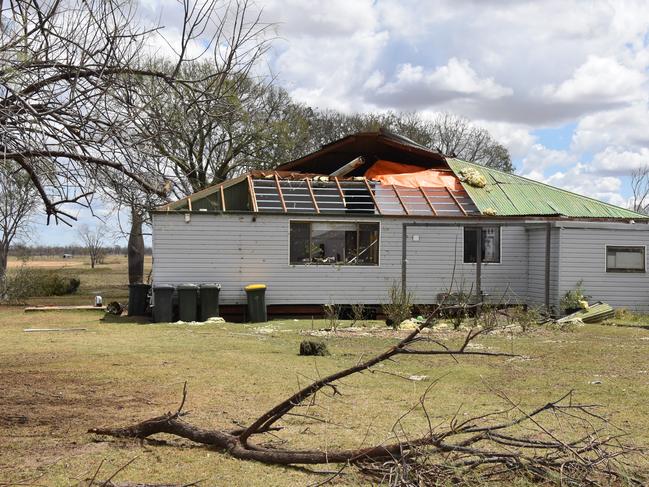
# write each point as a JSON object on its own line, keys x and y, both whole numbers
{"x": 397, "y": 174}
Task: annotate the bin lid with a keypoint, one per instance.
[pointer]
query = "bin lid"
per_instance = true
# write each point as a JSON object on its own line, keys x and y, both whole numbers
{"x": 187, "y": 285}
{"x": 210, "y": 285}
{"x": 162, "y": 286}
{"x": 141, "y": 284}
{"x": 254, "y": 287}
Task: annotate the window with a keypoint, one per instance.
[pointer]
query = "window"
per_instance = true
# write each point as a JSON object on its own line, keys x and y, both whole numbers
{"x": 490, "y": 244}
{"x": 334, "y": 243}
{"x": 625, "y": 259}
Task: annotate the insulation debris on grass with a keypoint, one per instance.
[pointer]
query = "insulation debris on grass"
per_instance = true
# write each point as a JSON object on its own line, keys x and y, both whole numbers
{"x": 593, "y": 313}
{"x": 34, "y": 330}
{"x": 215, "y": 319}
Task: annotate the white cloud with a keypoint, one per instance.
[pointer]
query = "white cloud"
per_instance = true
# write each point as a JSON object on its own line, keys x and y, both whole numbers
{"x": 599, "y": 79}
{"x": 625, "y": 127}
{"x": 415, "y": 87}
{"x": 579, "y": 180}
{"x": 619, "y": 161}
{"x": 517, "y": 138}
{"x": 540, "y": 158}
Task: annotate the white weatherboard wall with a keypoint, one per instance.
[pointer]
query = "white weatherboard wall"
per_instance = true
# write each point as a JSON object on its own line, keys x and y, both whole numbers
{"x": 583, "y": 257}
{"x": 235, "y": 250}
{"x": 435, "y": 257}
{"x": 536, "y": 241}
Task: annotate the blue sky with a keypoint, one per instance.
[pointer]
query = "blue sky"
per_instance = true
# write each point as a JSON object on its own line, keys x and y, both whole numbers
{"x": 564, "y": 85}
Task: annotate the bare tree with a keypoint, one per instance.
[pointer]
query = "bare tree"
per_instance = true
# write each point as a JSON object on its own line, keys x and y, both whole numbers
{"x": 69, "y": 96}
{"x": 640, "y": 189}
{"x": 201, "y": 136}
{"x": 18, "y": 202}
{"x": 93, "y": 239}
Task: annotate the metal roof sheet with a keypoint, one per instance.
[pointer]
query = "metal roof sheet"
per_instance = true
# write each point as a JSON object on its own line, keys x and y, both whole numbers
{"x": 512, "y": 195}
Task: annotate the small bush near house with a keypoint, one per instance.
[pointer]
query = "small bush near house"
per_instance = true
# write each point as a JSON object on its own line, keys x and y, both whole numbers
{"x": 332, "y": 315}
{"x": 525, "y": 318}
{"x": 27, "y": 282}
{"x": 357, "y": 313}
{"x": 573, "y": 299}
{"x": 398, "y": 307}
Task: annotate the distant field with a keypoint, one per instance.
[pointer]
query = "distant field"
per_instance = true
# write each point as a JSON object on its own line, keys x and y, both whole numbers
{"x": 109, "y": 280}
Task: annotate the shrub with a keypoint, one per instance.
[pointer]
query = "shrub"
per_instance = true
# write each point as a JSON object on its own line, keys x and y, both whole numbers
{"x": 573, "y": 298}
{"x": 398, "y": 307}
{"x": 20, "y": 285}
{"x": 309, "y": 347}
{"x": 525, "y": 318}
{"x": 27, "y": 282}
{"x": 332, "y": 315}
{"x": 358, "y": 313}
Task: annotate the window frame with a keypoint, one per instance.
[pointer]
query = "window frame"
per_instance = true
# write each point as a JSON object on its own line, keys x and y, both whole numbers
{"x": 334, "y": 264}
{"x": 626, "y": 271}
{"x": 500, "y": 244}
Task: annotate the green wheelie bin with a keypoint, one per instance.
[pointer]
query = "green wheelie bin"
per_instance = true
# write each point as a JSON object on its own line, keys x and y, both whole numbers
{"x": 209, "y": 298}
{"x": 187, "y": 302}
{"x": 163, "y": 303}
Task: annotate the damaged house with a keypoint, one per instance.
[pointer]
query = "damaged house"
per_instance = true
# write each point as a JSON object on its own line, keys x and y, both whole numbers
{"x": 374, "y": 210}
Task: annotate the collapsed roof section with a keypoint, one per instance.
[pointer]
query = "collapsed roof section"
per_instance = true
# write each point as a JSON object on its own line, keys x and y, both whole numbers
{"x": 372, "y": 146}
{"x": 380, "y": 173}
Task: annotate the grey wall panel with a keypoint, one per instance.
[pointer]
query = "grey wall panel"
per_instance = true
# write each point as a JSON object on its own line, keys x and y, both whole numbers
{"x": 238, "y": 250}
{"x": 583, "y": 257}
{"x": 235, "y": 251}
{"x": 436, "y": 264}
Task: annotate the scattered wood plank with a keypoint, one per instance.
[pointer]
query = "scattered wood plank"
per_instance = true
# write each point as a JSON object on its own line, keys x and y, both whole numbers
{"x": 33, "y": 330}
{"x": 30, "y": 309}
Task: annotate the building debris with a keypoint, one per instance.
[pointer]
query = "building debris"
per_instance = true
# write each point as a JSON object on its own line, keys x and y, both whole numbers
{"x": 594, "y": 313}
{"x": 32, "y": 330}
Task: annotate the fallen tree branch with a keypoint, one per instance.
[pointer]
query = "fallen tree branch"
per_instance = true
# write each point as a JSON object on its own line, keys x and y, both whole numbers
{"x": 488, "y": 445}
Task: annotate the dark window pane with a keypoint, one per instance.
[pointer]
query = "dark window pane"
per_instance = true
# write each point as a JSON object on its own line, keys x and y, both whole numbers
{"x": 300, "y": 243}
{"x": 332, "y": 241}
{"x": 470, "y": 245}
{"x": 625, "y": 259}
{"x": 368, "y": 244}
{"x": 490, "y": 245}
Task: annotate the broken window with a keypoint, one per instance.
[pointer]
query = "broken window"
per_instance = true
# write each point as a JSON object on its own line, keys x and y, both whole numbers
{"x": 490, "y": 244}
{"x": 625, "y": 259}
{"x": 334, "y": 243}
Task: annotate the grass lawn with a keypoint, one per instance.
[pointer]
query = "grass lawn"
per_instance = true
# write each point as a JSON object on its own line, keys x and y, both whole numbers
{"x": 57, "y": 385}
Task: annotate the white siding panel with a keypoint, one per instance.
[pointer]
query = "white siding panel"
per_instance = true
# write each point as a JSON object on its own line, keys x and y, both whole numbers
{"x": 238, "y": 250}
{"x": 583, "y": 257}
{"x": 436, "y": 264}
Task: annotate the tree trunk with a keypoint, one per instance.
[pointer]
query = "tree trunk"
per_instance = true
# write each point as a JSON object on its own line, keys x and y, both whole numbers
{"x": 136, "y": 249}
{"x": 4, "y": 256}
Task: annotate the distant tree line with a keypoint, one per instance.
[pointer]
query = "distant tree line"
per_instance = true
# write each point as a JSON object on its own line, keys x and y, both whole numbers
{"x": 30, "y": 251}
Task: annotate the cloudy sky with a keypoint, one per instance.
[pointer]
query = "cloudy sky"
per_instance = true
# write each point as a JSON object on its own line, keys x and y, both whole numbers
{"x": 563, "y": 84}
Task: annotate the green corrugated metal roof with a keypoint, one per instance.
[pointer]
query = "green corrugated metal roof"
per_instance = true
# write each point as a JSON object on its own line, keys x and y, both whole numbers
{"x": 510, "y": 195}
